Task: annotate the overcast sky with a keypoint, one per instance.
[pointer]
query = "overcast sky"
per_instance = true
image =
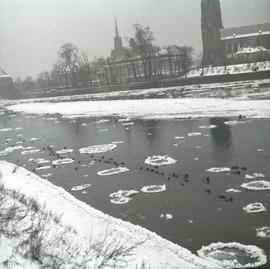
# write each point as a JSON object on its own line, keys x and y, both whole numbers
{"x": 32, "y": 31}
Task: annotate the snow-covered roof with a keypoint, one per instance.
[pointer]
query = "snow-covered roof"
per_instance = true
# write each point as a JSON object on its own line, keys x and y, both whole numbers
{"x": 245, "y": 31}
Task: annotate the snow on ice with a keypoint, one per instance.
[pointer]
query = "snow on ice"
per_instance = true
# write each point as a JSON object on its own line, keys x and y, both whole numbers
{"x": 207, "y": 126}
{"x": 194, "y": 134}
{"x": 263, "y": 232}
{"x": 30, "y": 151}
{"x": 258, "y": 185}
{"x": 122, "y": 196}
{"x": 80, "y": 187}
{"x": 43, "y": 167}
{"x": 97, "y": 148}
{"x": 254, "y": 208}
{"x": 166, "y": 216}
{"x": 63, "y": 161}
{"x": 233, "y": 255}
{"x": 254, "y": 175}
{"x": 38, "y": 160}
{"x": 233, "y": 190}
{"x": 6, "y": 129}
{"x": 160, "y": 160}
{"x": 112, "y": 171}
{"x": 153, "y": 188}
{"x": 8, "y": 150}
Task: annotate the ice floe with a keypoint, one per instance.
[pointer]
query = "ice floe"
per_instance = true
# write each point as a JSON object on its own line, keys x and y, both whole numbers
{"x": 8, "y": 150}
{"x": 117, "y": 142}
{"x": 80, "y": 187}
{"x": 160, "y": 160}
{"x": 6, "y": 129}
{"x": 153, "y": 188}
{"x": 101, "y": 121}
{"x": 208, "y": 126}
{"x": 233, "y": 190}
{"x": 194, "y": 134}
{"x": 263, "y": 232}
{"x": 103, "y": 130}
{"x": 258, "y": 185}
{"x": 260, "y": 150}
{"x": 128, "y": 123}
{"x": 112, "y": 171}
{"x": 254, "y": 208}
{"x": 166, "y": 216}
{"x": 254, "y": 175}
{"x": 97, "y": 148}
{"x": 64, "y": 151}
{"x": 38, "y": 160}
{"x": 30, "y": 151}
{"x": 63, "y": 161}
{"x": 43, "y": 167}
{"x": 122, "y": 196}
{"x": 233, "y": 255}
{"x": 179, "y": 137}
{"x": 218, "y": 169}
{"x": 47, "y": 175}
{"x": 35, "y": 138}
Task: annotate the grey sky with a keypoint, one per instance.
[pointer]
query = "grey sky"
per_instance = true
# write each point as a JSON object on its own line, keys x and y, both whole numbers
{"x": 31, "y": 31}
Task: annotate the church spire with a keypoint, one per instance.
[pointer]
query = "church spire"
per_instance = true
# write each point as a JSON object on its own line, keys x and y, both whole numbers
{"x": 116, "y": 28}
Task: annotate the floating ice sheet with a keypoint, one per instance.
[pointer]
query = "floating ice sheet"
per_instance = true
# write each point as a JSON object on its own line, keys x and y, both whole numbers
{"x": 80, "y": 187}
{"x": 6, "y": 129}
{"x": 43, "y": 167}
{"x": 153, "y": 188}
{"x": 179, "y": 137}
{"x": 128, "y": 123}
{"x": 112, "y": 171}
{"x": 160, "y": 160}
{"x": 122, "y": 196}
{"x": 233, "y": 255}
{"x": 218, "y": 169}
{"x": 63, "y": 161}
{"x": 117, "y": 142}
{"x": 258, "y": 185}
{"x": 233, "y": 190}
{"x": 97, "y": 148}
{"x": 263, "y": 232}
{"x": 64, "y": 151}
{"x": 254, "y": 208}
{"x": 38, "y": 160}
{"x": 34, "y": 138}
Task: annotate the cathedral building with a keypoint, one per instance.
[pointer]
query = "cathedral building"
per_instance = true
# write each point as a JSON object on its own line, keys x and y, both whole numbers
{"x": 231, "y": 45}
{"x": 118, "y": 51}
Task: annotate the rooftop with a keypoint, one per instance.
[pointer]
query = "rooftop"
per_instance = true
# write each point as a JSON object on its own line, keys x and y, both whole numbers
{"x": 245, "y": 31}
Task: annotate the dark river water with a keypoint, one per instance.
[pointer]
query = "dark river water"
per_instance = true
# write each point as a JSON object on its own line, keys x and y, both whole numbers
{"x": 200, "y": 216}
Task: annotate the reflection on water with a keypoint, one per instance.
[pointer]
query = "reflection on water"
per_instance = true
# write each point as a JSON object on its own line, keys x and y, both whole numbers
{"x": 221, "y": 138}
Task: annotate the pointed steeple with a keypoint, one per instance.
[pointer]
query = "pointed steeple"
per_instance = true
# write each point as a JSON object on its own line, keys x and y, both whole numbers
{"x": 116, "y": 28}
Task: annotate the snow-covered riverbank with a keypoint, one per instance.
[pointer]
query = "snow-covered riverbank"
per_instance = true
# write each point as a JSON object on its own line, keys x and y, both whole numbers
{"x": 152, "y": 108}
{"x": 149, "y": 248}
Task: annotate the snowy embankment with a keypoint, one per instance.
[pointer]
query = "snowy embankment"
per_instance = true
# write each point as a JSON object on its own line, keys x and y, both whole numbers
{"x": 147, "y": 247}
{"x": 152, "y": 108}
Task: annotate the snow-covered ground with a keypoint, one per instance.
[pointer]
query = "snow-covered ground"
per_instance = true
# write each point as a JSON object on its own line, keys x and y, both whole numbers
{"x": 151, "y": 108}
{"x": 149, "y": 248}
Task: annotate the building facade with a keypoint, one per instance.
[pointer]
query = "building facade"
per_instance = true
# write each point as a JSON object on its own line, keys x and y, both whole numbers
{"x": 231, "y": 45}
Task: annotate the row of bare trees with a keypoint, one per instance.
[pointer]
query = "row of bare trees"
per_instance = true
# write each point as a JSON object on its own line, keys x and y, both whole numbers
{"x": 74, "y": 69}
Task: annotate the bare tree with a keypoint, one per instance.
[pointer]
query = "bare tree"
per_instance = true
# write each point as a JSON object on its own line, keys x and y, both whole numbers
{"x": 69, "y": 55}
{"x": 87, "y": 64}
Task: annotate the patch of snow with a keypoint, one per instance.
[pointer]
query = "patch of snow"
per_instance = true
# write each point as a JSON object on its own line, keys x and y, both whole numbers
{"x": 233, "y": 255}
{"x": 258, "y": 185}
{"x": 218, "y": 169}
{"x": 80, "y": 187}
{"x": 122, "y": 196}
{"x": 254, "y": 208}
{"x": 63, "y": 161}
{"x": 97, "y": 148}
{"x": 160, "y": 160}
{"x": 112, "y": 171}
{"x": 263, "y": 232}
{"x": 153, "y": 188}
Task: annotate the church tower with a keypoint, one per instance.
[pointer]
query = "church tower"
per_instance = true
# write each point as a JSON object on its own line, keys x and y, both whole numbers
{"x": 211, "y": 23}
{"x": 117, "y": 52}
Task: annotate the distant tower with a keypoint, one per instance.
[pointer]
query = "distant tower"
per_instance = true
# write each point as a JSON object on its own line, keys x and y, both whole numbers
{"x": 117, "y": 52}
{"x": 211, "y": 23}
